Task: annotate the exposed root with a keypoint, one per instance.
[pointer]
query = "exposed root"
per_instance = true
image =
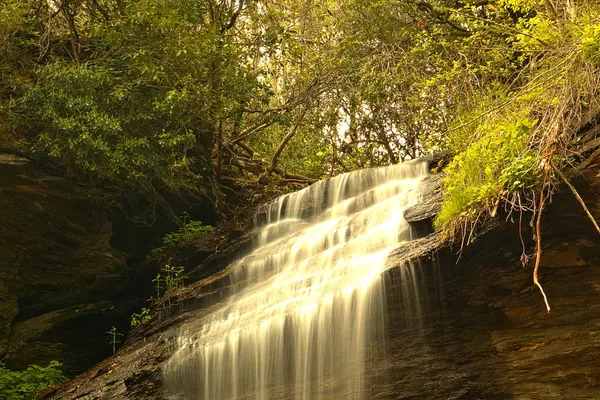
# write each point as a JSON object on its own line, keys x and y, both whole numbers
{"x": 524, "y": 257}
{"x": 577, "y": 196}
{"x": 538, "y": 254}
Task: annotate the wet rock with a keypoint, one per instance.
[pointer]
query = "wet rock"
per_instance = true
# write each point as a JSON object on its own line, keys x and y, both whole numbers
{"x": 430, "y": 192}
{"x": 462, "y": 323}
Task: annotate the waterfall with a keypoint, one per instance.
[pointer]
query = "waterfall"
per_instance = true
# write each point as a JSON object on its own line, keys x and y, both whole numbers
{"x": 308, "y": 301}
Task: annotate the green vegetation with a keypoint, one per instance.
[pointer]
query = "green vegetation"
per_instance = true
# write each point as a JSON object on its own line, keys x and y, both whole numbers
{"x": 188, "y": 230}
{"x": 114, "y": 338}
{"x": 499, "y": 162}
{"x": 166, "y": 283}
{"x": 17, "y": 385}
{"x": 221, "y": 102}
{"x": 140, "y": 319}
{"x": 511, "y": 145}
{"x": 212, "y": 97}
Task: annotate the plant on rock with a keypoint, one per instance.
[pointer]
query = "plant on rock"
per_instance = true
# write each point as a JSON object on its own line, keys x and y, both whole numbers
{"x": 167, "y": 281}
{"x": 188, "y": 230}
{"x": 17, "y": 385}
{"x": 499, "y": 163}
{"x": 140, "y": 319}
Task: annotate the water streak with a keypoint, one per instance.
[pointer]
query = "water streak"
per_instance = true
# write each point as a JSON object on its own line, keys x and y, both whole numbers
{"x": 309, "y": 298}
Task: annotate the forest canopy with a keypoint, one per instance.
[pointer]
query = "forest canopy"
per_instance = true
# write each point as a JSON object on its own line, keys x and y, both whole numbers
{"x": 161, "y": 95}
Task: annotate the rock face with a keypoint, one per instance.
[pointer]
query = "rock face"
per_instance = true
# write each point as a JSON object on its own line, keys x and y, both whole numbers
{"x": 69, "y": 269}
{"x": 56, "y": 263}
{"x": 485, "y": 332}
{"x": 468, "y": 327}
{"x": 73, "y": 262}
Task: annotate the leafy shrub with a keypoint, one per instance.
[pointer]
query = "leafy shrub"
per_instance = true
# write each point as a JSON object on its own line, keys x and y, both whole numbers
{"x": 16, "y": 385}
{"x": 78, "y": 111}
{"x": 497, "y": 164}
{"x": 188, "y": 230}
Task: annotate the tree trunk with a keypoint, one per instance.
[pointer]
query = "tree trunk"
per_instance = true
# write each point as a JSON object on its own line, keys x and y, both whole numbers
{"x": 284, "y": 143}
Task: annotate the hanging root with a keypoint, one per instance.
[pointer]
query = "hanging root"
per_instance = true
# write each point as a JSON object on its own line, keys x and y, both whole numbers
{"x": 539, "y": 234}
{"x": 578, "y": 197}
{"x": 538, "y": 254}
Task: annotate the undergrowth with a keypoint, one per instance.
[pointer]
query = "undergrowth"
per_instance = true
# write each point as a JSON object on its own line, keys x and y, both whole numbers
{"x": 170, "y": 277}
{"x": 167, "y": 281}
{"x": 513, "y": 142}
{"x": 188, "y": 230}
{"x": 499, "y": 162}
{"x": 17, "y": 385}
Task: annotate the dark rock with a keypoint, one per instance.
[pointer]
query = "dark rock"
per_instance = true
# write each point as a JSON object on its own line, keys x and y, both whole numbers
{"x": 55, "y": 255}
{"x": 416, "y": 249}
{"x": 477, "y": 327}
{"x": 71, "y": 267}
{"x": 428, "y": 207}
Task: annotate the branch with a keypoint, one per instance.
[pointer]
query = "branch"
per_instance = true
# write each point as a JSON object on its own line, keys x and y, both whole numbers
{"x": 234, "y": 17}
{"x": 443, "y": 17}
{"x": 296, "y": 177}
{"x": 303, "y": 181}
{"x": 284, "y": 142}
{"x": 248, "y": 132}
{"x": 577, "y": 196}
{"x": 246, "y": 148}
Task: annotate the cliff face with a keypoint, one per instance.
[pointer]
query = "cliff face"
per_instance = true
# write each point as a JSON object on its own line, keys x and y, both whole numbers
{"x": 486, "y": 333}
{"x": 70, "y": 268}
{"x": 478, "y": 328}
{"x": 60, "y": 278}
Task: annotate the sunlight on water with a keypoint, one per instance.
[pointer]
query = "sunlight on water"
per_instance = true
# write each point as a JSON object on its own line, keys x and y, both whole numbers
{"x": 309, "y": 297}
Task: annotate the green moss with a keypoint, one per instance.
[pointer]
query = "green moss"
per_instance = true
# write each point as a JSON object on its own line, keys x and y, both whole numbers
{"x": 497, "y": 163}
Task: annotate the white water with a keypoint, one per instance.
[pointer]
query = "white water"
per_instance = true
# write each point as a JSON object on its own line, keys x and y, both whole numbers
{"x": 309, "y": 298}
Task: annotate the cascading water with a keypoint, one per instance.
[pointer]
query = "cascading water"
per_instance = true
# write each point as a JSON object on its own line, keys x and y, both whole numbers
{"x": 308, "y": 300}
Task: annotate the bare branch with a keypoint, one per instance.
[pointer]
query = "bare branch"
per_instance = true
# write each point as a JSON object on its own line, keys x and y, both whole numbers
{"x": 577, "y": 196}
{"x": 285, "y": 141}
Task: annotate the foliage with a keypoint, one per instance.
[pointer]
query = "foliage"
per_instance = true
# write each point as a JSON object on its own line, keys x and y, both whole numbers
{"x": 501, "y": 153}
{"x": 167, "y": 281}
{"x": 590, "y": 43}
{"x": 172, "y": 94}
{"x": 188, "y": 230}
{"x": 140, "y": 319}
{"x": 499, "y": 162}
{"x": 16, "y": 385}
{"x": 85, "y": 124}
{"x": 114, "y": 338}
